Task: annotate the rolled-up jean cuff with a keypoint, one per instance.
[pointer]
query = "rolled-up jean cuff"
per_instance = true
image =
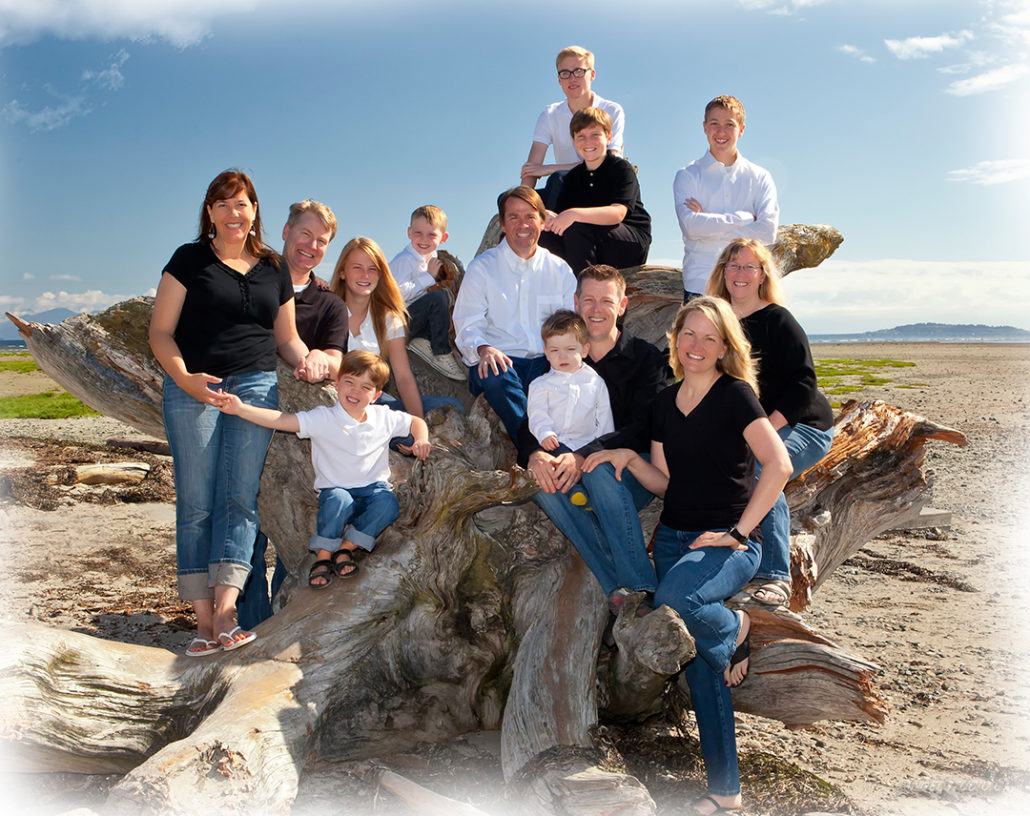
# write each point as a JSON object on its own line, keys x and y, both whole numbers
{"x": 363, "y": 540}
{"x": 228, "y": 573}
{"x": 193, "y": 586}
{"x": 317, "y": 542}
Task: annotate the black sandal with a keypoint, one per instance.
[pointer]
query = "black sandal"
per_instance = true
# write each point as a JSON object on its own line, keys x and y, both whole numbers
{"x": 320, "y": 570}
{"x": 706, "y": 799}
{"x": 344, "y": 559}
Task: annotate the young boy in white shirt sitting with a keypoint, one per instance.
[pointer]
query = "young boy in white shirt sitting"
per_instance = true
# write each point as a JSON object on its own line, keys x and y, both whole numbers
{"x": 418, "y": 272}
{"x": 568, "y": 405}
{"x": 350, "y": 454}
{"x": 721, "y": 196}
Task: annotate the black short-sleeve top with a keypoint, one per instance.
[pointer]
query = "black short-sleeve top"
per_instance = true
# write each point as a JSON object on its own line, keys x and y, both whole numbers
{"x": 226, "y": 322}
{"x": 613, "y": 181}
{"x": 711, "y": 467}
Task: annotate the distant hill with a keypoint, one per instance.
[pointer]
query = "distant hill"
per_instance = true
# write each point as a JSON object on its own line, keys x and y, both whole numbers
{"x": 931, "y": 333}
{"x": 9, "y": 332}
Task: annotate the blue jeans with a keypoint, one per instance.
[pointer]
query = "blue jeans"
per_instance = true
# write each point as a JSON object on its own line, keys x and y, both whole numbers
{"x": 506, "y": 391}
{"x": 218, "y": 460}
{"x": 253, "y": 604}
{"x": 429, "y": 316}
{"x": 357, "y": 514}
{"x": 608, "y": 537}
{"x": 805, "y": 446}
{"x": 695, "y": 583}
{"x": 429, "y": 403}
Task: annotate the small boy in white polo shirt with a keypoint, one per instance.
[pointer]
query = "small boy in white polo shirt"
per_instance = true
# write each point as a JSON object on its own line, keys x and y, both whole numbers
{"x": 418, "y": 272}
{"x": 350, "y": 453}
{"x": 575, "y": 73}
{"x": 569, "y": 404}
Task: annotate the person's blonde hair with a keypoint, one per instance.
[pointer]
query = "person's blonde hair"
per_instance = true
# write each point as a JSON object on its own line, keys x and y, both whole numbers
{"x": 769, "y": 289}
{"x": 575, "y": 51}
{"x": 386, "y": 297}
{"x": 320, "y": 210}
{"x": 736, "y": 362}
{"x": 434, "y": 215}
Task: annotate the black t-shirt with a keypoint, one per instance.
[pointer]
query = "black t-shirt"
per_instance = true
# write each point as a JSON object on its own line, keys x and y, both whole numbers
{"x": 613, "y": 182}
{"x": 226, "y": 322}
{"x": 711, "y": 467}
{"x": 786, "y": 373}
{"x": 322, "y": 320}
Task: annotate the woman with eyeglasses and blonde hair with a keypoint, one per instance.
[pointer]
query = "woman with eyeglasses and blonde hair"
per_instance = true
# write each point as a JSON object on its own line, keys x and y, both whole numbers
{"x": 745, "y": 276}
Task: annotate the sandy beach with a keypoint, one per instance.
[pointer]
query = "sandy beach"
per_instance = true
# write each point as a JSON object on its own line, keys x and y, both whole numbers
{"x": 935, "y": 608}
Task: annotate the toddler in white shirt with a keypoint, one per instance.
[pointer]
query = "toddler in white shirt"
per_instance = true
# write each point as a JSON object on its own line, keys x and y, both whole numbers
{"x": 569, "y": 404}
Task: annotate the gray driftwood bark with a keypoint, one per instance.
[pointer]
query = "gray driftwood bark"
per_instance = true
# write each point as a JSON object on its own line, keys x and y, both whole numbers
{"x": 473, "y": 613}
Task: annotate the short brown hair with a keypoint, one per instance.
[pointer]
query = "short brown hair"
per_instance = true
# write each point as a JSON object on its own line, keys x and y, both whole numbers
{"x": 565, "y": 321}
{"x": 575, "y": 51}
{"x": 602, "y": 273}
{"x": 582, "y": 119}
{"x": 324, "y": 214}
{"x": 356, "y": 363}
{"x": 527, "y": 194}
{"x": 731, "y": 103}
{"x": 434, "y": 215}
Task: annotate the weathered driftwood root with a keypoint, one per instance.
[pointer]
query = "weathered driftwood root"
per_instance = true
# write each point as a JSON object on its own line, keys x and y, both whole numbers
{"x": 870, "y": 481}
{"x": 471, "y": 614}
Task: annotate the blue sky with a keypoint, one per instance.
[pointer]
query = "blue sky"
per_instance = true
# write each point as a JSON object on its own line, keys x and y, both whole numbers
{"x": 903, "y": 124}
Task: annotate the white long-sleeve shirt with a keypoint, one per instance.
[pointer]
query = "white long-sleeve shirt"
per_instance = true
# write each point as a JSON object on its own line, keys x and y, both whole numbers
{"x": 739, "y": 201}
{"x": 409, "y": 270}
{"x": 574, "y": 407}
{"x": 504, "y": 300}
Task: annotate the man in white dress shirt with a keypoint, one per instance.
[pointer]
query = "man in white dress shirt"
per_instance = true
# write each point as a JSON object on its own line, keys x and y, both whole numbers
{"x": 721, "y": 196}
{"x": 504, "y": 298}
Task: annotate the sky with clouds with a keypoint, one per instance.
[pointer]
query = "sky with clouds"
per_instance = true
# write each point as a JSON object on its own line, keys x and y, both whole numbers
{"x": 903, "y": 124}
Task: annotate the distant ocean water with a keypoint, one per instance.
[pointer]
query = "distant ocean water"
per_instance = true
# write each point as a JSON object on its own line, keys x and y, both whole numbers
{"x": 829, "y": 339}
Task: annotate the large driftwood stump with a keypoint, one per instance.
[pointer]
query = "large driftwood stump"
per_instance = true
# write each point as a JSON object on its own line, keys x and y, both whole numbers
{"x": 472, "y": 613}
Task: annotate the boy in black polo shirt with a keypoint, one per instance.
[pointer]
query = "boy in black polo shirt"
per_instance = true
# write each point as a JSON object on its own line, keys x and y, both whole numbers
{"x": 600, "y": 218}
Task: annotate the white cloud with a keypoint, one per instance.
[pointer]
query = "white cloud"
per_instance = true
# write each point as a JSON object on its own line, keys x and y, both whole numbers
{"x": 180, "y": 22}
{"x": 856, "y": 296}
{"x": 988, "y": 81}
{"x": 993, "y": 172}
{"x": 47, "y": 117}
{"x": 74, "y": 278}
{"x": 779, "y": 7}
{"x": 28, "y": 276}
{"x": 856, "y": 52}
{"x": 111, "y": 77}
{"x": 70, "y": 107}
{"x": 922, "y": 47}
{"x": 92, "y": 300}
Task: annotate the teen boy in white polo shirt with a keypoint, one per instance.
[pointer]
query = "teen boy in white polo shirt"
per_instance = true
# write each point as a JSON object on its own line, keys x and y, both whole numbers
{"x": 575, "y": 74}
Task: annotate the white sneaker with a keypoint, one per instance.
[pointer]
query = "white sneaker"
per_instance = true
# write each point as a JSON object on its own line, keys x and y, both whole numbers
{"x": 444, "y": 363}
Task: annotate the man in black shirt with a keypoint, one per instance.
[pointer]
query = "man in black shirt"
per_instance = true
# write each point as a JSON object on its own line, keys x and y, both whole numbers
{"x": 609, "y": 536}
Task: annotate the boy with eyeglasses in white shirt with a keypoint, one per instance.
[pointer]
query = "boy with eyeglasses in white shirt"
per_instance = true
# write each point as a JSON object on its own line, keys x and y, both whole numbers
{"x": 575, "y": 74}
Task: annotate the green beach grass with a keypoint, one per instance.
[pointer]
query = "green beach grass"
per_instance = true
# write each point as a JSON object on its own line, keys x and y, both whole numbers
{"x": 840, "y": 376}
{"x": 48, "y": 405}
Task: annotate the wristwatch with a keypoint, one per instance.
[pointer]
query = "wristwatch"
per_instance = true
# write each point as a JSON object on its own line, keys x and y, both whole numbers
{"x": 734, "y": 533}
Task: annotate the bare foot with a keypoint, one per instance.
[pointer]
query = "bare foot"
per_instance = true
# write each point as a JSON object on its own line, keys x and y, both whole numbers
{"x": 737, "y": 670}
